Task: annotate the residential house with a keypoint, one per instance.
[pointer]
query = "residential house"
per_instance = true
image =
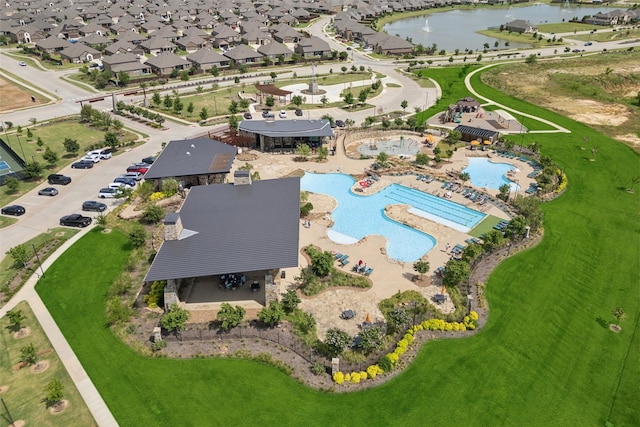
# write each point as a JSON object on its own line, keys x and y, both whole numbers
{"x": 205, "y": 59}
{"x": 165, "y": 63}
{"x": 257, "y": 37}
{"x": 224, "y": 37}
{"x": 52, "y": 44}
{"x": 191, "y": 43}
{"x": 521, "y": 26}
{"x": 275, "y": 50}
{"x": 125, "y": 62}
{"x": 393, "y": 45}
{"x": 78, "y": 53}
{"x": 313, "y": 47}
{"x": 243, "y": 54}
{"x": 123, "y": 46}
{"x": 157, "y": 45}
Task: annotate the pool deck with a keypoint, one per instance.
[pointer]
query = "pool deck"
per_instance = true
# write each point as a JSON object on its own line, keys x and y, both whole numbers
{"x": 389, "y": 276}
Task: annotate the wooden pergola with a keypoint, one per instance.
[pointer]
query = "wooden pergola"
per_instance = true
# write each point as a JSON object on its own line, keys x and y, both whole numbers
{"x": 274, "y": 91}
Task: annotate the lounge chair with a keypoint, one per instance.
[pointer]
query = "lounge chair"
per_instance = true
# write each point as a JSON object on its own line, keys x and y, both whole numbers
{"x": 419, "y": 177}
{"x": 338, "y": 255}
{"x": 368, "y": 272}
{"x": 344, "y": 262}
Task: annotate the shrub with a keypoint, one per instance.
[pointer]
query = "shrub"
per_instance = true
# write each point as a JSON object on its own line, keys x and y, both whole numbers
{"x": 137, "y": 236}
{"x": 318, "y": 368}
{"x": 355, "y": 377}
{"x": 158, "y": 195}
{"x": 385, "y": 364}
{"x": 156, "y": 294}
{"x": 152, "y": 214}
{"x": 169, "y": 187}
{"x": 373, "y": 371}
{"x": 338, "y": 377}
{"x": 306, "y": 209}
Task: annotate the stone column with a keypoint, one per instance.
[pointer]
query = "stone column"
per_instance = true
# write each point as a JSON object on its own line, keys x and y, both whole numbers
{"x": 170, "y": 294}
{"x": 270, "y": 290}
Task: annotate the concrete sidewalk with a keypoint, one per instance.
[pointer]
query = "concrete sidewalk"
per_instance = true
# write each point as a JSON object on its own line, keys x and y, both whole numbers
{"x": 83, "y": 383}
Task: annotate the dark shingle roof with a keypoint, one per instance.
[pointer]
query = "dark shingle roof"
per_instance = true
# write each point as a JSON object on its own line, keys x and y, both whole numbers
{"x": 192, "y": 157}
{"x": 483, "y": 133}
{"x": 287, "y": 128}
{"x": 233, "y": 228}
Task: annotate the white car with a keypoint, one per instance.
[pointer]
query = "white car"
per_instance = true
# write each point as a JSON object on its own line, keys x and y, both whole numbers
{"x": 133, "y": 175}
{"x": 107, "y": 193}
{"x": 282, "y": 114}
{"x": 118, "y": 185}
{"x": 103, "y": 153}
{"x": 91, "y": 158}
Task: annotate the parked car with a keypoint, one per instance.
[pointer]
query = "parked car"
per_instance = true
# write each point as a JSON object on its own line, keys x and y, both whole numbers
{"x": 149, "y": 160}
{"x": 91, "y": 205}
{"x": 82, "y": 164}
{"x": 282, "y": 114}
{"x": 118, "y": 185}
{"x": 75, "y": 220}
{"x": 138, "y": 168}
{"x": 22, "y": 64}
{"x": 576, "y": 51}
{"x": 340, "y": 123}
{"x": 49, "y": 191}
{"x": 15, "y": 210}
{"x": 267, "y": 114}
{"x": 298, "y": 112}
{"x": 247, "y": 116}
{"x": 56, "y": 178}
{"x": 136, "y": 176}
{"x": 103, "y": 153}
{"x": 107, "y": 193}
{"x": 127, "y": 181}
{"x": 91, "y": 158}
{"x": 588, "y": 43}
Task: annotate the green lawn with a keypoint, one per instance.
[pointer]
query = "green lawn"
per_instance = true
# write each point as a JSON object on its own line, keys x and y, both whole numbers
{"x": 25, "y": 393}
{"x": 567, "y": 27}
{"x": 545, "y": 356}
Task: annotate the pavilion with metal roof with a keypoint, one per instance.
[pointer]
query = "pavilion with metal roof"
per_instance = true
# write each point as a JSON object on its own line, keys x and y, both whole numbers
{"x": 283, "y": 135}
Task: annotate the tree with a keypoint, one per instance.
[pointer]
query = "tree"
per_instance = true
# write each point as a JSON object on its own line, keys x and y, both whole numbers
{"x": 492, "y": 240}
{"x": 349, "y": 98}
{"x": 233, "y": 107}
{"x": 336, "y": 341}
{"x": 398, "y": 122}
{"x": 344, "y": 69}
{"x": 421, "y": 267}
{"x": 215, "y": 71}
{"x": 123, "y": 78}
{"x": 297, "y": 100}
{"x": 234, "y": 122}
{"x": 456, "y": 272}
{"x": 20, "y": 255}
{"x": 531, "y": 59}
{"x": 55, "y": 392}
{"x": 16, "y": 317}
{"x": 270, "y": 101}
{"x": 398, "y": 318}
{"x": 464, "y": 177}
{"x": 370, "y": 338}
{"x": 204, "y": 114}
{"x": 517, "y": 227}
{"x": 273, "y": 75}
{"x": 322, "y": 263}
{"x": 272, "y": 314}
{"x": 453, "y": 137}
{"x": 152, "y": 214}
{"x": 324, "y": 100}
{"x": 422, "y": 159}
{"x": 190, "y": 108}
{"x": 230, "y": 317}
{"x": 362, "y": 95}
{"x": 184, "y": 76}
{"x": 504, "y": 190}
{"x": 29, "y": 134}
{"x": 33, "y": 121}
{"x": 29, "y": 355}
{"x": 343, "y": 56}
{"x": 13, "y": 184}
{"x": 290, "y": 301}
{"x": 385, "y": 123}
{"x": 50, "y": 156}
{"x": 244, "y": 104}
{"x": 178, "y": 106}
{"x": 33, "y": 170}
{"x": 619, "y": 314}
{"x": 382, "y": 159}
{"x": 111, "y": 139}
{"x": 412, "y": 122}
{"x": 168, "y": 101}
{"x": 303, "y": 151}
{"x": 404, "y": 104}
{"x": 175, "y": 319}
{"x": 137, "y": 236}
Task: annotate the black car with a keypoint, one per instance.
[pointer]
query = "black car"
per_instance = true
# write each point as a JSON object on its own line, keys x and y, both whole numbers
{"x": 298, "y": 112}
{"x": 91, "y": 205}
{"x": 15, "y": 210}
{"x": 82, "y": 164}
{"x": 268, "y": 114}
{"x": 340, "y": 123}
{"x": 247, "y": 116}
{"x": 75, "y": 220}
{"x": 56, "y": 178}
{"x": 49, "y": 191}
{"x": 149, "y": 160}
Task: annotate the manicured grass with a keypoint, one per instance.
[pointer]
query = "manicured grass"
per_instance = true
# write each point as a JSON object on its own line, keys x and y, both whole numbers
{"x": 25, "y": 393}
{"x": 485, "y": 226}
{"x": 545, "y": 357}
{"x": 609, "y": 36}
{"x": 566, "y": 27}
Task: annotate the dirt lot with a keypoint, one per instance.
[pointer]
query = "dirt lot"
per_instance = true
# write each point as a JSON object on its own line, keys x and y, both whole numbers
{"x": 598, "y": 91}
{"x": 15, "y": 97}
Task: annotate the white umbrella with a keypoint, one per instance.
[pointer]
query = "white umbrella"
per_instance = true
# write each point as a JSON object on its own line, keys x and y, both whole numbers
{"x": 516, "y": 170}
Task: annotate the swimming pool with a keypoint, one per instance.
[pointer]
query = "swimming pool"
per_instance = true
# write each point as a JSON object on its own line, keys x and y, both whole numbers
{"x": 486, "y": 174}
{"x": 357, "y": 216}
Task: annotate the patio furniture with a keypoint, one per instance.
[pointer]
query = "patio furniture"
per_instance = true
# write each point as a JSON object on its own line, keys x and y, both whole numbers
{"x": 348, "y": 314}
{"x": 439, "y": 298}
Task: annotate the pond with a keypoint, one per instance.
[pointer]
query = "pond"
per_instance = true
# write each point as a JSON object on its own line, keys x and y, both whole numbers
{"x": 456, "y": 29}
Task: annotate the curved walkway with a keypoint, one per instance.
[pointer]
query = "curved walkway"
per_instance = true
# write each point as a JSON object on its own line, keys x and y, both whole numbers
{"x": 467, "y": 83}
